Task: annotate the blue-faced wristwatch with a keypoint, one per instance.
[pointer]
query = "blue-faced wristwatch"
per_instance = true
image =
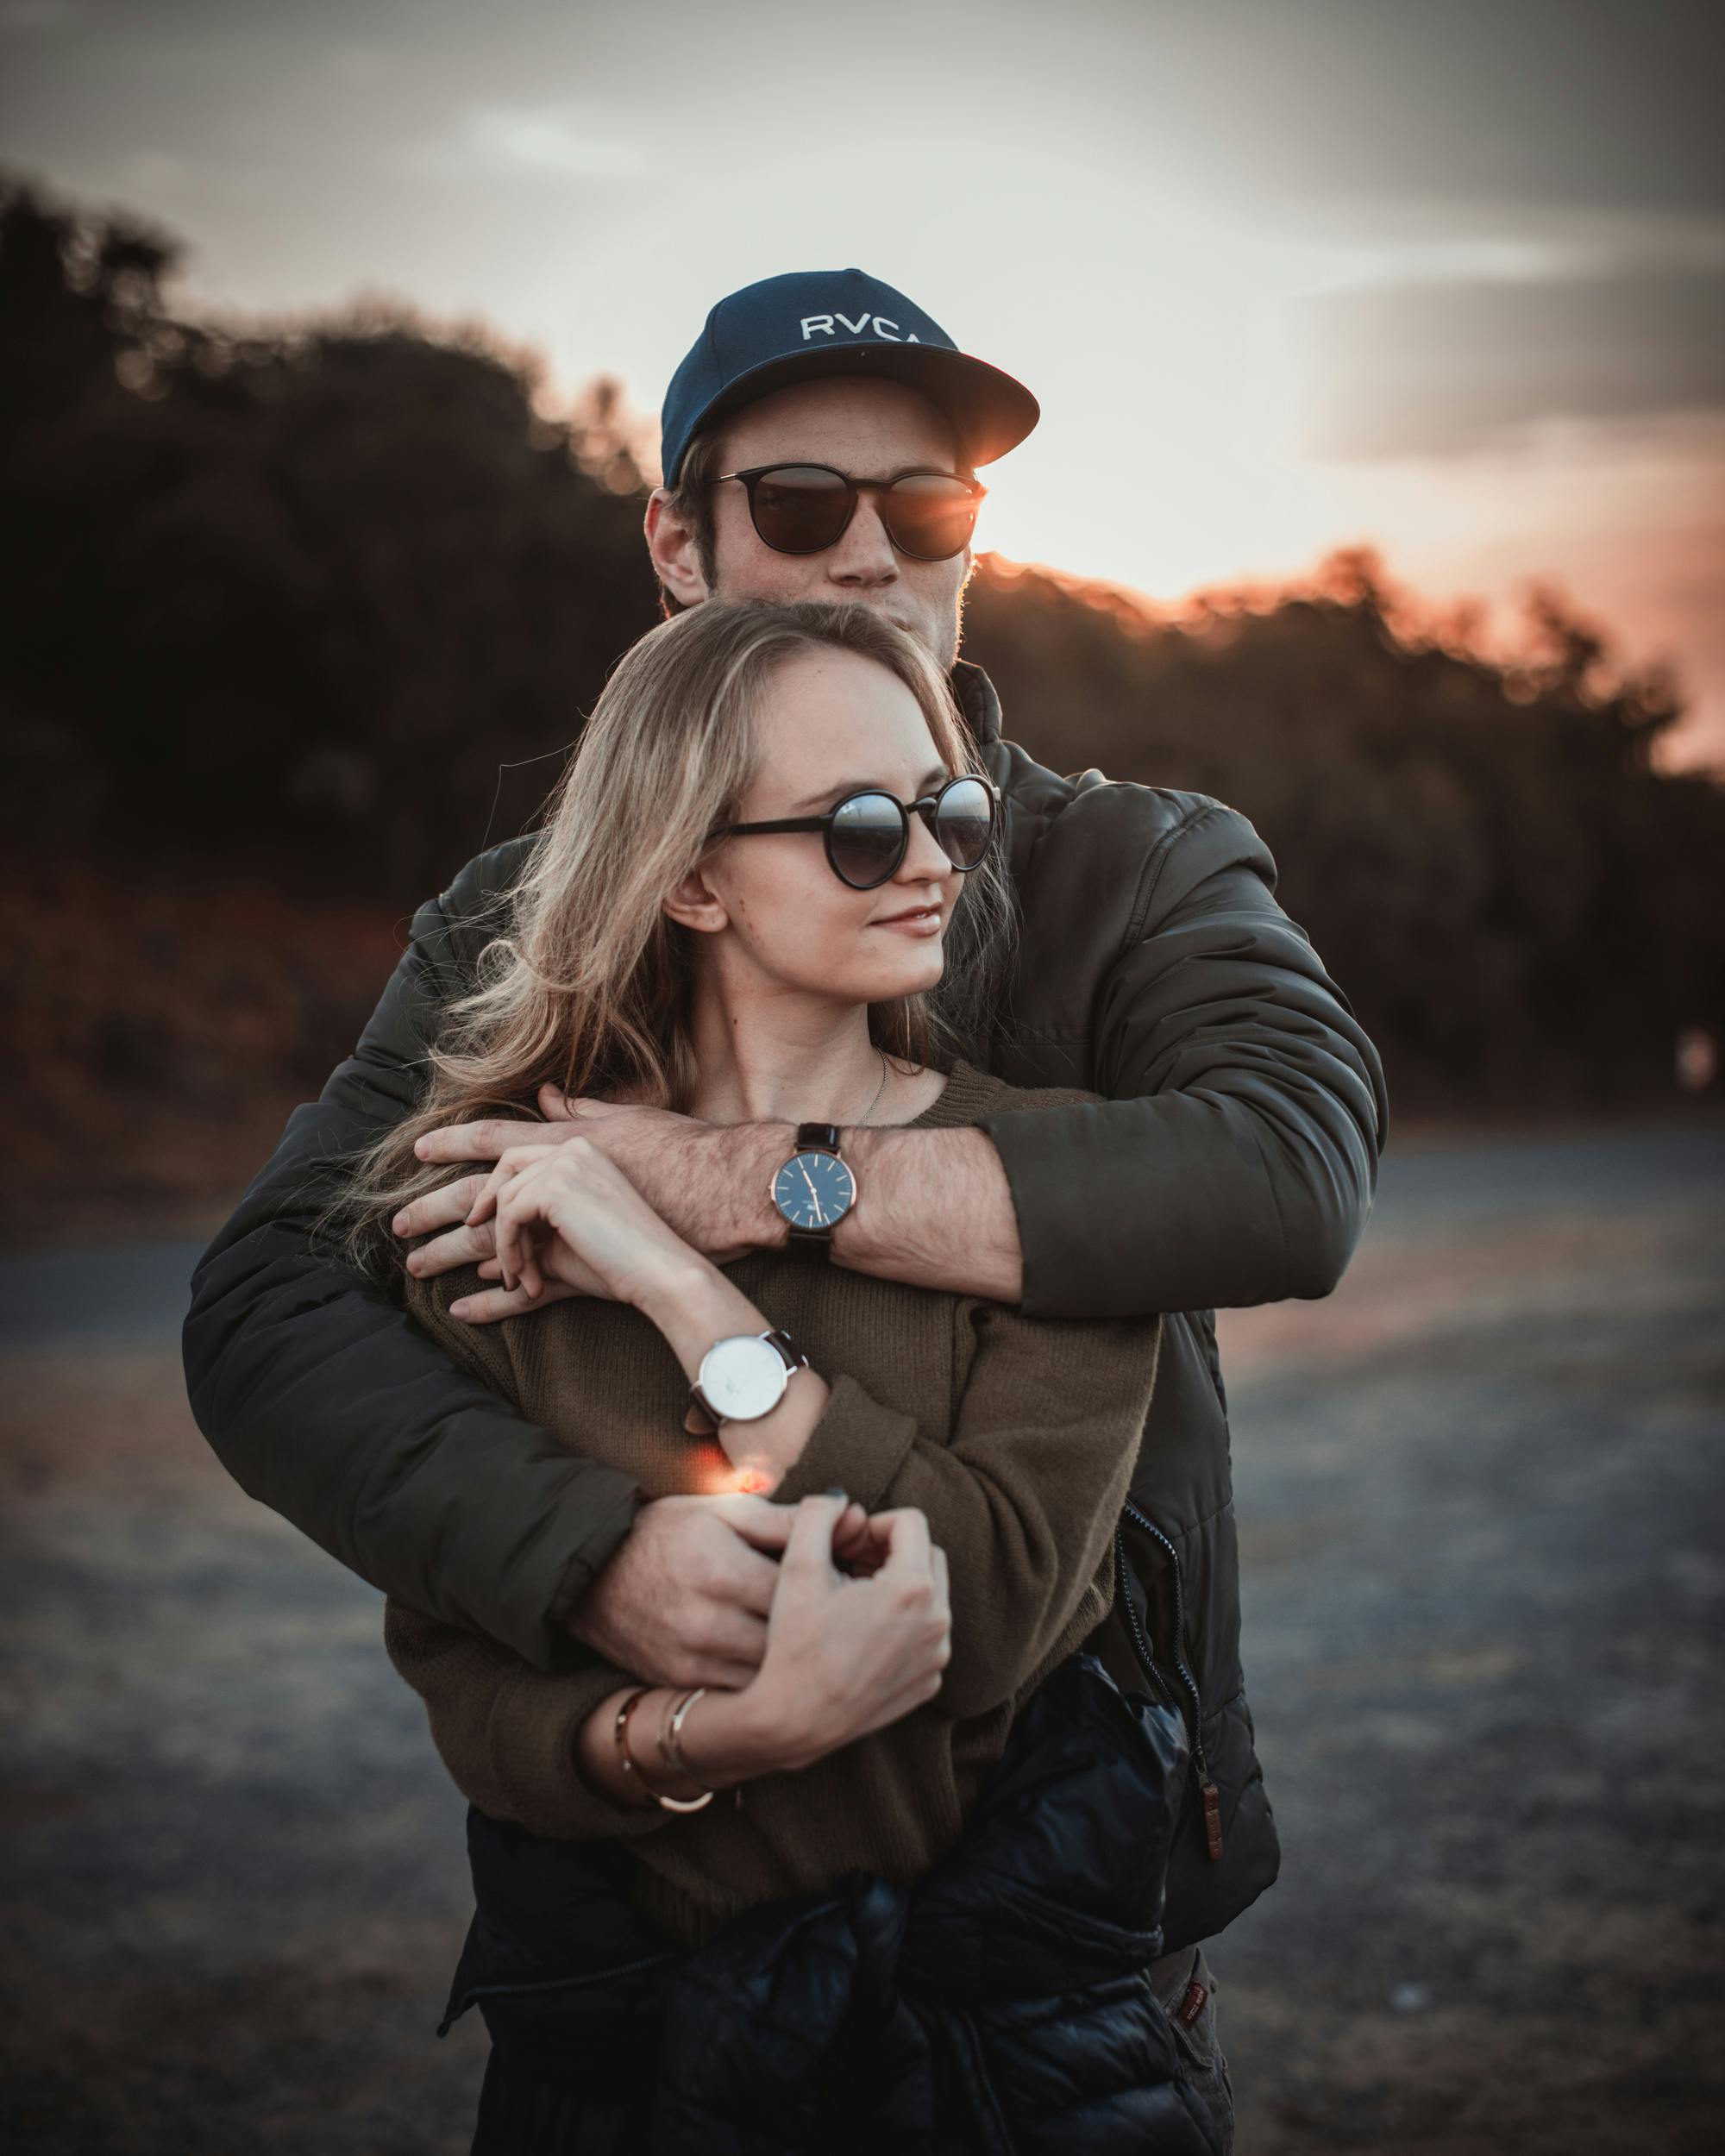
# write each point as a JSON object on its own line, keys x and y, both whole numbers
{"x": 814, "y": 1190}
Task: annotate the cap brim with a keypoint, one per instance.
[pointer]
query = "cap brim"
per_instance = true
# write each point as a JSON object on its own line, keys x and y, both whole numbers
{"x": 990, "y": 412}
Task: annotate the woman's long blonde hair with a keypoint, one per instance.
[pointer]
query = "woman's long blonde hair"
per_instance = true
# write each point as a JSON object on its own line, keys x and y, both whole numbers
{"x": 587, "y": 985}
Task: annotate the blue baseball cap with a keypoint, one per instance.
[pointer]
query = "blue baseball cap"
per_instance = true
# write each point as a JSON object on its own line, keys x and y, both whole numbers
{"x": 813, "y": 323}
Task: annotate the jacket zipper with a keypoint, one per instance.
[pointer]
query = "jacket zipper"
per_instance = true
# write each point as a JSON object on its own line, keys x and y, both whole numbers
{"x": 1209, "y": 1795}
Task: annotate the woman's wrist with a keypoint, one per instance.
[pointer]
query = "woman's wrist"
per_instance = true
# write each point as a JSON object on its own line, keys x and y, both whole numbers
{"x": 729, "y": 1737}
{"x": 726, "y": 1738}
{"x": 677, "y": 1275}
{"x": 693, "y": 1308}
{"x": 693, "y": 1303}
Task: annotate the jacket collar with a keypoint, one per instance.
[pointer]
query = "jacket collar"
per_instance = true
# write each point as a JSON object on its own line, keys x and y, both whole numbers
{"x": 978, "y": 701}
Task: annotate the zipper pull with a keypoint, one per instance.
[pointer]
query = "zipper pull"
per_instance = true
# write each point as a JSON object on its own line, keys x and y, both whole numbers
{"x": 1212, "y": 1819}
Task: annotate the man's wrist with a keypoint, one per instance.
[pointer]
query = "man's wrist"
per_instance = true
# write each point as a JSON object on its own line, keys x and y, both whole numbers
{"x": 933, "y": 1209}
{"x": 755, "y": 1153}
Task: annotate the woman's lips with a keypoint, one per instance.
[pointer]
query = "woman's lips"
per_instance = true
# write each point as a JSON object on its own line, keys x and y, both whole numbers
{"x": 926, "y": 921}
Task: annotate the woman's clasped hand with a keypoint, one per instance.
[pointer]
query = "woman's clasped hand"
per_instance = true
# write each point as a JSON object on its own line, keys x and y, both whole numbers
{"x": 848, "y": 1656}
{"x": 566, "y": 1213}
{"x": 849, "y": 1652}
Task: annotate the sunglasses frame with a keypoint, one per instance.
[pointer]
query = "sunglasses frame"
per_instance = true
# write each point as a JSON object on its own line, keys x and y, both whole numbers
{"x": 927, "y": 805}
{"x": 856, "y": 488}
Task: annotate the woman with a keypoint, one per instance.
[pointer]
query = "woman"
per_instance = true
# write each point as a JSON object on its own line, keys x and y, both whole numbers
{"x": 907, "y": 1879}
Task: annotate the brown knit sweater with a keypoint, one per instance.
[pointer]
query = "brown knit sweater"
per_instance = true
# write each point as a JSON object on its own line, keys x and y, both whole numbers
{"x": 1015, "y": 1435}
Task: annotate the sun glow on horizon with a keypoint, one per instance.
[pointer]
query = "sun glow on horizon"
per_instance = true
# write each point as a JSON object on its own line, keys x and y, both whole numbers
{"x": 1153, "y": 223}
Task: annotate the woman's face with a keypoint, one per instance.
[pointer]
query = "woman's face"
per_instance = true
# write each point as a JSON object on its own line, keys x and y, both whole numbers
{"x": 829, "y": 723}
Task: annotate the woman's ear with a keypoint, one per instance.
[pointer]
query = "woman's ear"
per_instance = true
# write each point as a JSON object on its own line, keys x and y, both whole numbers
{"x": 693, "y": 903}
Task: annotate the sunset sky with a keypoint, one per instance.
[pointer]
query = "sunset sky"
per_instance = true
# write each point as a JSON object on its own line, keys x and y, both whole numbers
{"x": 1285, "y": 274}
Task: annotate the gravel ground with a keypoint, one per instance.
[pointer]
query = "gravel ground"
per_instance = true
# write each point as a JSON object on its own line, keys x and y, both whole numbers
{"x": 1482, "y": 1551}
{"x": 1480, "y": 1498}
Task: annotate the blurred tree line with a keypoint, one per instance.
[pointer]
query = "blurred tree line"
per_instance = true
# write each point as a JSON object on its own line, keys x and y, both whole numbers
{"x": 1518, "y": 906}
{"x": 293, "y": 595}
{"x": 295, "y": 599}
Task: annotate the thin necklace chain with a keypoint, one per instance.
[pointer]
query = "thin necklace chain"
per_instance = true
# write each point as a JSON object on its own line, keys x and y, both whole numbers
{"x": 879, "y": 1089}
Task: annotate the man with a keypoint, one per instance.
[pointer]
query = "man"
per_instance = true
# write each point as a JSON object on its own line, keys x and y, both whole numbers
{"x": 1234, "y": 1162}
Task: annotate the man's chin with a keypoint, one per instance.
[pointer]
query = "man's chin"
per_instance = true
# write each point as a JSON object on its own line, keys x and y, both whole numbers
{"x": 939, "y": 640}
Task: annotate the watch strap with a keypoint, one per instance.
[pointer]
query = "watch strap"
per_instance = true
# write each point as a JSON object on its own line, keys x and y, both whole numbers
{"x": 794, "y": 1357}
{"x": 814, "y": 1245}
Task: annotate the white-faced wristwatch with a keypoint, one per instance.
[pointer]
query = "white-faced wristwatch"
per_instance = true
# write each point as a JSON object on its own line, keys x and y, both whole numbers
{"x": 741, "y": 1377}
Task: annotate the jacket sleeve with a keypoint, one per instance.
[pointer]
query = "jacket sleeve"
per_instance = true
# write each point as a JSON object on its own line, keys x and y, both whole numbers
{"x": 1022, "y": 1492}
{"x": 505, "y": 1730}
{"x": 1235, "y": 1159}
{"x": 325, "y": 1402}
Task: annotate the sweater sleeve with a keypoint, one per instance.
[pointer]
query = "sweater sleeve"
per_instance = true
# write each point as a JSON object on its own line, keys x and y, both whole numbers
{"x": 506, "y": 1732}
{"x": 1022, "y": 1492}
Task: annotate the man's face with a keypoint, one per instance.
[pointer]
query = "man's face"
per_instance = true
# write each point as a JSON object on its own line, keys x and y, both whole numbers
{"x": 868, "y": 430}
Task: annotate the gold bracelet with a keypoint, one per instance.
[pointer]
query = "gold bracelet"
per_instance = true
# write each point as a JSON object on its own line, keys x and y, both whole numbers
{"x": 671, "y": 1737}
{"x": 619, "y": 1730}
{"x": 630, "y": 1766}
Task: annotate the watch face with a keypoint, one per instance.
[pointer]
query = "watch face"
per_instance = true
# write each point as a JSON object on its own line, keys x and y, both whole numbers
{"x": 814, "y": 1190}
{"x": 741, "y": 1377}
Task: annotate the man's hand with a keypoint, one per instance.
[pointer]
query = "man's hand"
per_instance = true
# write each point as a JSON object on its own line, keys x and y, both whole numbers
{"x": 448, "y": 1207}
{"x": 684, "y": 1600}
{"x": 709, "y": 1181}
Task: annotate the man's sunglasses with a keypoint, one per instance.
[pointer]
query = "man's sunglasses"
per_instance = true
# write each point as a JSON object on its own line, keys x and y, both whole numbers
{"x": 805, "y": 508}
{"x": 868, "y": 833}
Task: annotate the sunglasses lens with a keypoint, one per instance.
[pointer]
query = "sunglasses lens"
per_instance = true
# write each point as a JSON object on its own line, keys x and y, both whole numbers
{"x": 867, "y": 838}
{"x": 799, "y": 509}
{"x": 964, "y": 822}
{"x": 928, "y": 516}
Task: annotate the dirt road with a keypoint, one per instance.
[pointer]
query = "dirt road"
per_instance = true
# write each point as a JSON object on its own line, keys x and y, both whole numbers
{"x": 1480, "y": 1490}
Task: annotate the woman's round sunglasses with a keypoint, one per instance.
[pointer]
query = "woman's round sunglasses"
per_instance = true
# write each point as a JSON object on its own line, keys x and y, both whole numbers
{"x": 805, "y": 508}
{"x": 868, "y": 834}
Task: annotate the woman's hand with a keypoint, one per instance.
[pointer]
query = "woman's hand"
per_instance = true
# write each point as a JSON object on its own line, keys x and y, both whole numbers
{"x": 846, "y": 1656}
{"x": 862, "y": 1541}
{"x": 566, "y": 1213}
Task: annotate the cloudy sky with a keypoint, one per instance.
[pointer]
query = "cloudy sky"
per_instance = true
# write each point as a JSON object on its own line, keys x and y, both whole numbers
{"x": 1284, "y": 273}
